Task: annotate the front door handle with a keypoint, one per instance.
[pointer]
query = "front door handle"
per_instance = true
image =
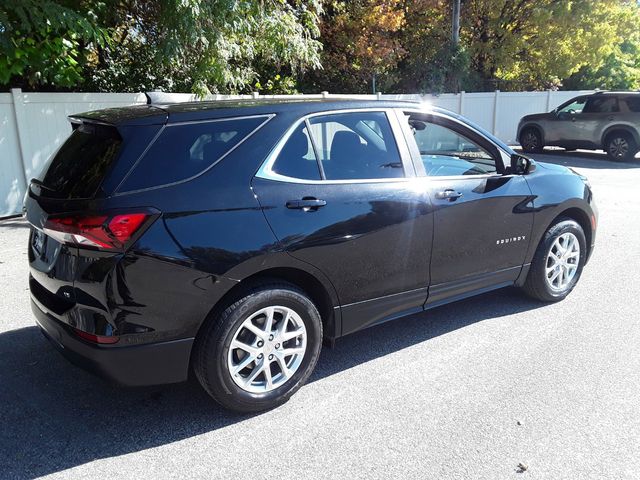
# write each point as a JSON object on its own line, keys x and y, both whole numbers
{"x": 306, "y": 204}
{"x": 448, "y": 194}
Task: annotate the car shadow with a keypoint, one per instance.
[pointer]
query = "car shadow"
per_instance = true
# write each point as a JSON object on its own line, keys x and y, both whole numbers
{"x": 56, "y": 416}
{"x": 583, "y": 159}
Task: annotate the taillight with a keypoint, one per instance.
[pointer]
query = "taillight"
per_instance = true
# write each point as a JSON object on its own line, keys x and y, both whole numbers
{"x": 100, "y": 231}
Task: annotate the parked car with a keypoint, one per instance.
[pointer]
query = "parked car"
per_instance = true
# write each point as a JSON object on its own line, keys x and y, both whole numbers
{"x": 604, "y": 120}
{"x": 232, "y": 238}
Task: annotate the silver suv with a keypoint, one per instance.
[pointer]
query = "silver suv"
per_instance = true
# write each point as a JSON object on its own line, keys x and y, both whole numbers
{"x": 603, "y": 120}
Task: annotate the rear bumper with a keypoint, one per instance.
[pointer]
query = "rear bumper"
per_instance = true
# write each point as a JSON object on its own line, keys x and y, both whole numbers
{"x": 139, "y": 365}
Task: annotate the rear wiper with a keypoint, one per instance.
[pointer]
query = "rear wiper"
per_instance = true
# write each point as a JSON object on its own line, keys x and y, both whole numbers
{"x": 391, "y": 165}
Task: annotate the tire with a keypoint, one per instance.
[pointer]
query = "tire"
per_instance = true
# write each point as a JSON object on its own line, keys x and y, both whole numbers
{"x": 541, "y": 283}
{"x": 531, "y": 140}
{"x": 620, "y": 146}
{"x": 216, "y": 351}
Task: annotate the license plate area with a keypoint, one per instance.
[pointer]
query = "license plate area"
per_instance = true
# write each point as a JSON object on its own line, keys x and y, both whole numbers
{"x": 38, "y": 242}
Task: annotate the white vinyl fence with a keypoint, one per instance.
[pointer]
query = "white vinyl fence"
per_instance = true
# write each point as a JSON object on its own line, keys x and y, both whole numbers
{"x": 33, "y": 125}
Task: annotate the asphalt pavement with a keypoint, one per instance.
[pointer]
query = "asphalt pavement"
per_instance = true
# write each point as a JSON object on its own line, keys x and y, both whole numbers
{"x": 470, "y": 390}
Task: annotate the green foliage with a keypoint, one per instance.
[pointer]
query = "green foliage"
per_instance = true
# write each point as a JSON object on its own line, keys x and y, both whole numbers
{"x": 184, "y": 45}
{"x": 506, "y": 44}
{"x": 44, "y": 42}
{"x": 537, "y": 43}
{"x": 218, "y": 43}
{"x": 285, "y": 46}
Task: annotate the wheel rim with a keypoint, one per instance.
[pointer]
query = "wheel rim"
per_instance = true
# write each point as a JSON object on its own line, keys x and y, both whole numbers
{"x": 562, "y": 261}
{"x": 267, "y": 349}
{"x": 619, "y": 147}
{"x": 530, "y": 140}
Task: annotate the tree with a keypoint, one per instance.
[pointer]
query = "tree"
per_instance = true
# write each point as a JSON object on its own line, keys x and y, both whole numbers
{"x": 432, "y": 62}
{"x": 537, "y": 43}
{"x": 361, "y": 40}
{"x": 44, "y": 43}
{"x": 187, "y": 45}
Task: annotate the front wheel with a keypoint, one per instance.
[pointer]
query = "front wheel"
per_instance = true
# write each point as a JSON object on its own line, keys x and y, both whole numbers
{"x": 260, "y": 350}
{"x": 531, "y": 140}
{"x": 558, "y": 262}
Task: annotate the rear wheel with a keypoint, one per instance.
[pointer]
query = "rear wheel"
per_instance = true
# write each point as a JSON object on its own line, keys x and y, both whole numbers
{"x": 620, "y": 146}
{"x": 558, "y": 262}
{"x": 531, "y": 140}
{"x": 261, "y": 349}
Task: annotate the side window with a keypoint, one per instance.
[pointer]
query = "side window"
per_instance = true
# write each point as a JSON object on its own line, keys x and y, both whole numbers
{"x": 633, "y": 103}
{"x": 445, "y": 152}
{"x": 297, "y": 159}
{"x": 601, "y": 104}
{"x": 356, "y": 146}
{"x": 574, "y": 106}
{"x": 184, "y": 150}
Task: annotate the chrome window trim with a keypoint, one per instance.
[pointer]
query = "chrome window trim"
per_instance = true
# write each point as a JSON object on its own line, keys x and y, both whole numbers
{"x": 266, "y": 172}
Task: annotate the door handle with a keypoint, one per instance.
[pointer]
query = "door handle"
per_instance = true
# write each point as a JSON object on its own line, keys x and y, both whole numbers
{"x": 306, "y": 204}
{"x": 448, "y": 194}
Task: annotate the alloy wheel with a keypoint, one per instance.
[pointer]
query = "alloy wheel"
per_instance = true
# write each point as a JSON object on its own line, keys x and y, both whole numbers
{"x": 530, "y": 140}
{"x": 562, "y": 261}
{"x": 267, "y": 349}
{"x": 619, "y": 147}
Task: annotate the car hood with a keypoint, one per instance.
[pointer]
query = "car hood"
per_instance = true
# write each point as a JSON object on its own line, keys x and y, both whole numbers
{"x": 553, "y": 166}
{"x": 534, "y": 116}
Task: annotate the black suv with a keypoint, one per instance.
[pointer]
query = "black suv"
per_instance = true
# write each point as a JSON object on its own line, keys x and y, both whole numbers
{"x": 606, "y": 120}
{"x": 232, "y": 238}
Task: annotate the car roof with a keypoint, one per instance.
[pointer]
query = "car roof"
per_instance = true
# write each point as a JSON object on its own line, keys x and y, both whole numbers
{"x": 614, "y": 93}
{"x": 208, "y": 110}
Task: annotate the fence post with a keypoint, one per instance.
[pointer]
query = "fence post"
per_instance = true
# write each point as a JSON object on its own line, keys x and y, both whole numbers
{"x": 495, "y": 111}
{"x": 548, "y": 100}
{"x": 461, "y": 102}
{"x": 19, "y": 116}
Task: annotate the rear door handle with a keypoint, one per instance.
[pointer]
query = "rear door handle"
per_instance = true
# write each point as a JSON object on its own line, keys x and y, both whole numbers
{"x": 306, "y": 204}
{"x": 448, "y": 194}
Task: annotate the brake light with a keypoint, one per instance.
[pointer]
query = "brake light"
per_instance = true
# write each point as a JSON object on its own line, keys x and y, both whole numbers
{"x": 100, "y": 231}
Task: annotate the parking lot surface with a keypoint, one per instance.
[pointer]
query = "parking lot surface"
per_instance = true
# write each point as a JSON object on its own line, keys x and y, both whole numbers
{"x": 465, "y": 391}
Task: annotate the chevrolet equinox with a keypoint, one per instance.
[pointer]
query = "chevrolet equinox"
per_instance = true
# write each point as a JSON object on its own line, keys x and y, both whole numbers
{"x": 233, "y": 238}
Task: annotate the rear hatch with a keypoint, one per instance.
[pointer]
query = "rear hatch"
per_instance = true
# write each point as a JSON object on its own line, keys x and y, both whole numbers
{"x": 67, "y": 207}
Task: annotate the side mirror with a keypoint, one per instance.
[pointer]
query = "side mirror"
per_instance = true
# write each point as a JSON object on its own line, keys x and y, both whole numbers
{"x": 563, "y": 115}
{"x": 521, "y": 165}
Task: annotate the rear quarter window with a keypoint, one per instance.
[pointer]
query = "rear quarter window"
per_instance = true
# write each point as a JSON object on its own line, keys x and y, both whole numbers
{"x": 183, "y": 151}
{"x": 633, "y": 103}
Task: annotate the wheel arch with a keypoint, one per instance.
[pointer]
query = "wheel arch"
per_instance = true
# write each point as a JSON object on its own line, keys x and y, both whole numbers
{"x": 620, "y": 128}
{"x": 534, "y": 126}
{"x": 582, "y": 218}
{"x": 319, "y": 294}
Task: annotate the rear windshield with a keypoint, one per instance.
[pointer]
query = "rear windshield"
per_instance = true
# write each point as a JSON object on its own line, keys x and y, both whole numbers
{"x": 81, "y": 163}
{"x": 183, "y": 151}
